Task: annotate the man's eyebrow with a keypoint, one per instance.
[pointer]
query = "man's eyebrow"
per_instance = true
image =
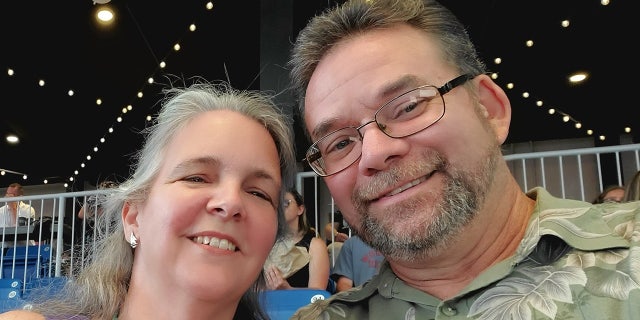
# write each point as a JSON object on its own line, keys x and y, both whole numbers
{"x": 324, "y": 127}
{"x": 406, "y": 81}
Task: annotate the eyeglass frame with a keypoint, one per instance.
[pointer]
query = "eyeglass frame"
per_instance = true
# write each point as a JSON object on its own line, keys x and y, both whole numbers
{"x": 312, "y": 156}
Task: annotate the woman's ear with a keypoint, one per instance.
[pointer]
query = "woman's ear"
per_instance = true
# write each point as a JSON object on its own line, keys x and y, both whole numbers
{"x": 301, "y": 209}
{"x": 496, "y": 106}
{"x": 130, "y": 220}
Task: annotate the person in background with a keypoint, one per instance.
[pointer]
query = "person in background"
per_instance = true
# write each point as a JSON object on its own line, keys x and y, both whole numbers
{"x": 12, "y": 211}
{"x": 632, "y": 188}
{"x": 407, "y": 128}
{"x": 612, "y": 193}
{"x": 336, "y": 231}
{"x": 356, "y": 264}
{"x": 84, "y": 225}
{"x": 186, "y": 236}
{"x": 90, "y": 208}
{"x": 16, "y": 213}
{"x": 299, "y": 260}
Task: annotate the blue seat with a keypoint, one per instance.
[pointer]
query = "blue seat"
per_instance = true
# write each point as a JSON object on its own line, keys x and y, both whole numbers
{"x": 26, "y": 262}
{"x": 30, "y": 252}
{"x": 10, "y": 294}
{"x": 282, "y": 304}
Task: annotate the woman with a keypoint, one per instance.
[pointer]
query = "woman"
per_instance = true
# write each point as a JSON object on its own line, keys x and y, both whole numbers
{"x": 300, "y": 260}
{"x": 187, "y": 235}
{"x": 612, "y": 193}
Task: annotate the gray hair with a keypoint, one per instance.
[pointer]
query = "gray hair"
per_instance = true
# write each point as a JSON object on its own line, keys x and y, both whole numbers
{"x": 100, "y": 287}
{"x": 355, "y": 17}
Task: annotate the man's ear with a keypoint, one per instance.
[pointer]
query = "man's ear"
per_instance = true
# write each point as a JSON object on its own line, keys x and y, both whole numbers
{"x": 497, "y": 108}
{"x": 130, "y": 220}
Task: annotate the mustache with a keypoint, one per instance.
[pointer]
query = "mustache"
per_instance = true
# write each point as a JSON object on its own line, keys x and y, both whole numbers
{"x": 384, "y": 180}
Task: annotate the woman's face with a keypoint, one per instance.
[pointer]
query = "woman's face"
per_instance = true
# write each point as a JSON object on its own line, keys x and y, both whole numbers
{"x": 291, "y": 211}
{"x": 210, "y": 219}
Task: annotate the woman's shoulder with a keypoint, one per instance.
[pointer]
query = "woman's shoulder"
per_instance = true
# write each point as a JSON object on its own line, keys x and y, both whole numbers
{"x": 318, "y": 245}
{"x": 21, "y": 315}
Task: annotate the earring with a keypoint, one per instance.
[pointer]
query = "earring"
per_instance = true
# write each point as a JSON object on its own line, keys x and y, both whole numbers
{"x": 133, "y": 241}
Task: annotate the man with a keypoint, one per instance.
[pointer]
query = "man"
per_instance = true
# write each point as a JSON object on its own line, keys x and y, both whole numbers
{"x": 428, "y": 187}
{"x": 356, "y": 264}
{"x": 11, "y": 212}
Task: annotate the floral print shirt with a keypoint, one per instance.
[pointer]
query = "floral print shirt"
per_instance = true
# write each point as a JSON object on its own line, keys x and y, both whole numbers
{"x": 576, "y": 261}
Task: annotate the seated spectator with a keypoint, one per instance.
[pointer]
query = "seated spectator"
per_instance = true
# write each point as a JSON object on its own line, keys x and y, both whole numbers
{"x": 336, "y": 233}
{"x": 612, "y": 193}
{"x": 336, "y": 230}
{"x": 93, "y": 204}
{"x": 299, "y": 260}
{"x": 11, "y": 212}
{"x": 357, "y": 263}
{"x": 16, "y": 213}
{"x": 632, "y": 192}
{"x": 82, "y": 229}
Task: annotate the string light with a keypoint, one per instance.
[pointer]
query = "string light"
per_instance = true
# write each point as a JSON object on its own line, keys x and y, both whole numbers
{"x": 574, "y": 78}
{"x": 565, "y": 117}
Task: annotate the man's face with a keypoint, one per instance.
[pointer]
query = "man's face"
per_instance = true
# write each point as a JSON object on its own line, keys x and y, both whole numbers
{"x": 12, "y": 192}
{"x": 410, "y": 195}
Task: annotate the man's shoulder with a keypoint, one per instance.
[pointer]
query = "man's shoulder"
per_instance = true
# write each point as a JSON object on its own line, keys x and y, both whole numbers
{"x": 349, "y": 304}
{"x": 341, "y": 305}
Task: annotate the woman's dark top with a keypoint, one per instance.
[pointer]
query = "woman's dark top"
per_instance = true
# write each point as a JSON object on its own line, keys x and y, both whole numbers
{"x": 300, "y": 279}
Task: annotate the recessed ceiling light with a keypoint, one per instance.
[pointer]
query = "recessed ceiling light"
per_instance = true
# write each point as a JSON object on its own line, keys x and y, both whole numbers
{"x": 13, "y": 139}
{"x": 577, "y": 77}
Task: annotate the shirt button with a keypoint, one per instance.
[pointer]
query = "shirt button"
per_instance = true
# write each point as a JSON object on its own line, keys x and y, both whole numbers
{"x": 449, "y": 311}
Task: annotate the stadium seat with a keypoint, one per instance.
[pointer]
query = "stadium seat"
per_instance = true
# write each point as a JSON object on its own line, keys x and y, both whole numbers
{"x": 282, "y": 304}
{"x": 26, "y": 262}
{"x": 10, "y": 294}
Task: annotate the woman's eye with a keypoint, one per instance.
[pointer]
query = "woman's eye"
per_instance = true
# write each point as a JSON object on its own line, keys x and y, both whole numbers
{"x": 194, "y": 179}
{"x": 261, "y": 195}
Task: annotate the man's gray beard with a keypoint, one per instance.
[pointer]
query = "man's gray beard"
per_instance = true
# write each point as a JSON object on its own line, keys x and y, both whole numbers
{"x": 464, "y": 193}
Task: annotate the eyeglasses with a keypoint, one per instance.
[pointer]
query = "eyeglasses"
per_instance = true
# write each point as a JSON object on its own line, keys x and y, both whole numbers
{"x": 406, "y": 114}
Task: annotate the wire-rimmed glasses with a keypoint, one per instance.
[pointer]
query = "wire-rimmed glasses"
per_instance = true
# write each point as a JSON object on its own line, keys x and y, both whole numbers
{"x": 406, "y": 114}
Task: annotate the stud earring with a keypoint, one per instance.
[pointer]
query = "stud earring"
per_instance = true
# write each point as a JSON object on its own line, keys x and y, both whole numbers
{"x": 133, "y": 241}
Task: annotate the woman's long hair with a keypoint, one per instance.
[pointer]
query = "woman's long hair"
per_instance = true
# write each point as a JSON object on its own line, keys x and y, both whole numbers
{"x": 99, "y": 289}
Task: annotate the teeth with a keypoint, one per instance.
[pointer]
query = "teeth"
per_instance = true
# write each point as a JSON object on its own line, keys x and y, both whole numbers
{"x": 406, "y": 186}
{"x": 215, "y": 242}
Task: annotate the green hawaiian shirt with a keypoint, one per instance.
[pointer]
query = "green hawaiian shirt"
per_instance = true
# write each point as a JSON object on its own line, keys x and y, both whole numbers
{"x": 576, "y": 261}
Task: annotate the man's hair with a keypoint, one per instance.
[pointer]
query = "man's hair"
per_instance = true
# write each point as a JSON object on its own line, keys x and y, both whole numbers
{"x": 355, "y": 17}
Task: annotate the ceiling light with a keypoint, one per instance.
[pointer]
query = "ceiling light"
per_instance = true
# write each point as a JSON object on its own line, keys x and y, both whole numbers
{"x": 105, "y": 14}
{"x": 13, "y": 139}
{"x": 577, "y": 77}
